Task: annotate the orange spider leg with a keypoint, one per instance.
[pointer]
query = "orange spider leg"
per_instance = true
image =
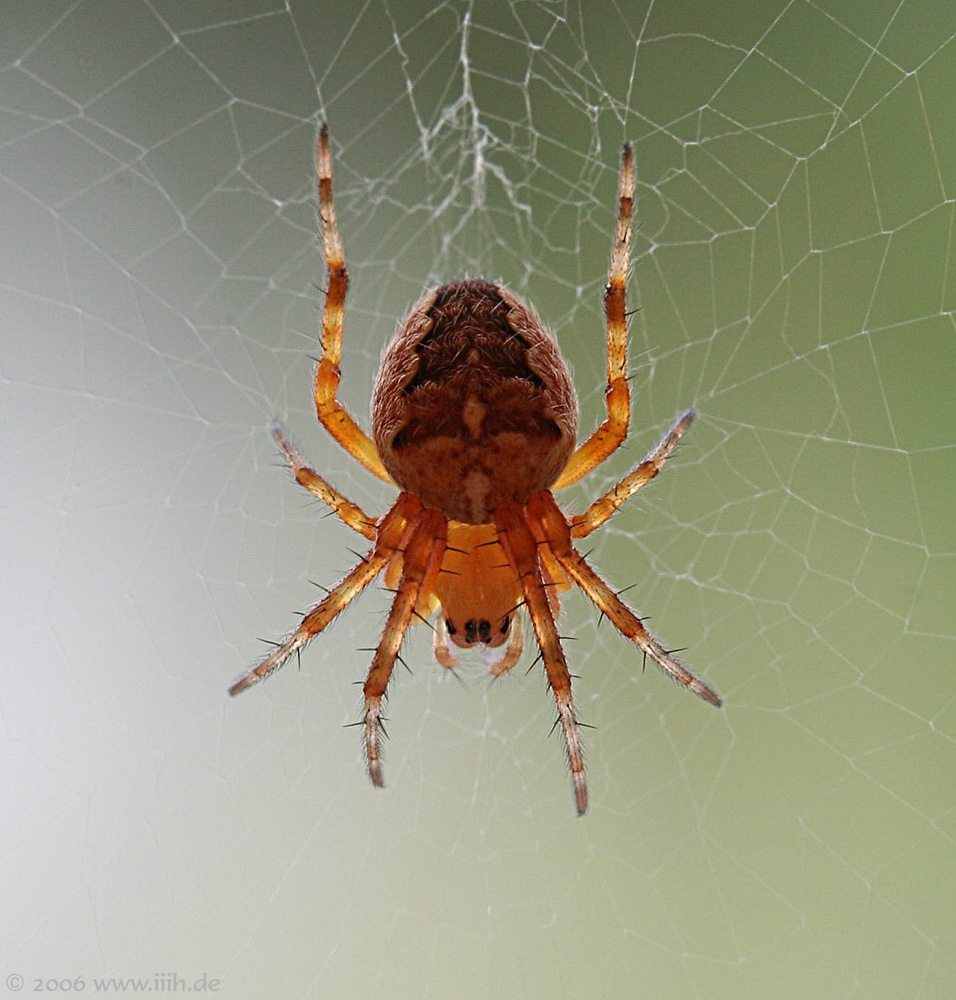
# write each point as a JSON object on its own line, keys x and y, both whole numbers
{"x": 333, "y": 415}
{"x": 613, "y": 430}
{"x": 545, "y": 513}
{"x": 421, "y": 562}
{"x": 583, "y": 524}
{"x": 390, "y": 536}
{"x": 315, "y": 620}
{"x": 521, "y": 548}
{"x": 338, "y": 503}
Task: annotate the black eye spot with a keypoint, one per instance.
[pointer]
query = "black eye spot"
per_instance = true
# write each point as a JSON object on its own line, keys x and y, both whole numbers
{"x": 451, "y": 626}
{"x": 505, "y": 625}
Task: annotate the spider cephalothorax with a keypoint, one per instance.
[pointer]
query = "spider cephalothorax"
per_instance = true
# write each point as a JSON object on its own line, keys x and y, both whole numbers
{"x": 474, "y": 418}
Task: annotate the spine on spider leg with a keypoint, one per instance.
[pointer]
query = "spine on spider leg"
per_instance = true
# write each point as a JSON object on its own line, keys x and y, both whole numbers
{"x": 328, "y": 371}
{"x": 543, "y": 510}
{"x": 604, "y": 507}
{"x": 316, "y": 620}
{"x": 609, "y": 435}
{"x": 615, "y": 294}
{"x": 521, "y": 548}
{"x": 421, "y": 562}
{"x": 332, "y": 414}
{"x": 392, "y": 532}
{"x": 618, "y": 392}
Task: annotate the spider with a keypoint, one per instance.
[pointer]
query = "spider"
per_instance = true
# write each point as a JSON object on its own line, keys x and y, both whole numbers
{"x": 474, "y": 419}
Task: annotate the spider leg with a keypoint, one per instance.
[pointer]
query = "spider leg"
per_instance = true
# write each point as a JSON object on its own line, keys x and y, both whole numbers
{"x": 333, "y": 415}
{"x": 545, "y": 513}
{"x": 315, "y": 620}
{"x": 521, "y": 548}
{"x": 341, "y": 506}
{"x": 613, "y": 430}
{"x": 583, "y": 524}
{"x": 392, "y": 531}
{"x": 421, "y": 562}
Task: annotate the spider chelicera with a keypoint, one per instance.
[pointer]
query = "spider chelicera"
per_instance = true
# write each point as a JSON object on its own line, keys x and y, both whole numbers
{"x": 474, "y": 418}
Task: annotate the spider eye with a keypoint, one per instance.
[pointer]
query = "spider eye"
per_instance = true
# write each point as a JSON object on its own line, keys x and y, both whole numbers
{"x": 477, "y": 630}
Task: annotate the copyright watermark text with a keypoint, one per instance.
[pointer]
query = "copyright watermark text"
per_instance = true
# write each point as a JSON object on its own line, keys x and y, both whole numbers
{"x": 158, "y": 982}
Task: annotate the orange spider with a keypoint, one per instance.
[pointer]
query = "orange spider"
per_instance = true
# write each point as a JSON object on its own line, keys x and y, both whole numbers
{"x": 474, "y": 418}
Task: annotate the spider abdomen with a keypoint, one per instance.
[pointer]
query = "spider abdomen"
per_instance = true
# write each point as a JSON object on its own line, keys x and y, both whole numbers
{"x": 473, "y": 403}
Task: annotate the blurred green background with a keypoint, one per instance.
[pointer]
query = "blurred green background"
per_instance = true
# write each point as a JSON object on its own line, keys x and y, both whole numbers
{"x": 793, "y": 280}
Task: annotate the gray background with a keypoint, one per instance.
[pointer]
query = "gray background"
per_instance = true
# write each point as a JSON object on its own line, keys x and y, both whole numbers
{"x": 160, "y": 282}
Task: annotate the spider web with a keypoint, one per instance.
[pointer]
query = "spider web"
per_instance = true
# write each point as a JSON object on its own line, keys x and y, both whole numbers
{"x": 794, "y": 281}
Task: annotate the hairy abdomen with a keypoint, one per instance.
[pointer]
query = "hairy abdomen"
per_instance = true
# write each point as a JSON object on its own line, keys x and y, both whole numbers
{"x": 473, "y": 403}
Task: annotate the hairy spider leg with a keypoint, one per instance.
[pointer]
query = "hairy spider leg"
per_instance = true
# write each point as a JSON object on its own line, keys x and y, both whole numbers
{"x": 333, "y": 415}
{"x": 521, "y": 548}
{"x": 391, "y": 534}
{"x": 609, "y": 435}
{"x": 544, "y": 513}
{"x": 340, "y": 505}
{"x": 421, "y": 562}
{"x": 316, "y": 619}
{"x": 605, "y": 507}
